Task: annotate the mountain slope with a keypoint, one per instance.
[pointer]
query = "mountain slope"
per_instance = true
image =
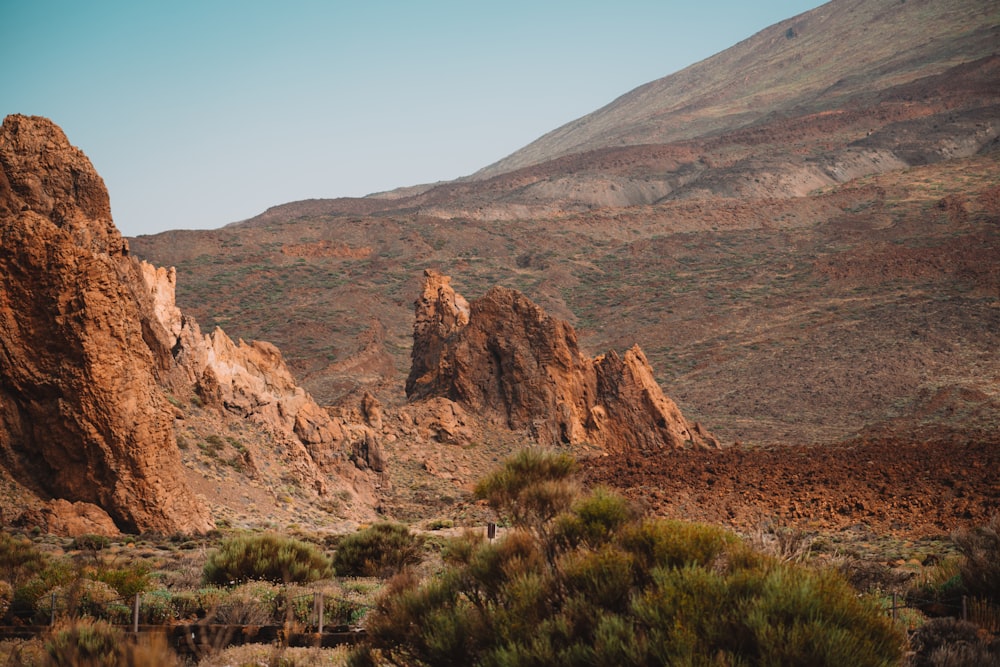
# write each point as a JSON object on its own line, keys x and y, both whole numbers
{"x": 805, "y": 257}
{"x": 814, "y": 61}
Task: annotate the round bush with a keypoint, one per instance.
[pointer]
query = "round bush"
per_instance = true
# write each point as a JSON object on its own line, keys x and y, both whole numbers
{"x": 266, "y": 557}
{"x": 377, "y": 551}
{"x": 86, "y": 642}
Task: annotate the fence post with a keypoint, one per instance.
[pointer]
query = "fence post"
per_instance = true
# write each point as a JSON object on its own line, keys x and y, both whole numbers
{"x": 135, "y": 615}
{"x": 491, "y": 530}
{"x": 52, "y": 611}
{"x": 318, "y": 610}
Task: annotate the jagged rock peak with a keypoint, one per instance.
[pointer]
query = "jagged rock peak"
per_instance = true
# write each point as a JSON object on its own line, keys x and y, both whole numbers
{"x": 502, "y": 357}
{"x": 91, "y": 345}
{"x": 42, "y": 172}
{"x": 82, "y": 417}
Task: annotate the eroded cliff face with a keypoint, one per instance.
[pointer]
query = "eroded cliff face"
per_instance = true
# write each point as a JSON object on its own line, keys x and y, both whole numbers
{"x": 82, "y": 416}
{"x": 250, "y": 381}
{"x": 93, "y": 349}
{"x": 502, "y": 357}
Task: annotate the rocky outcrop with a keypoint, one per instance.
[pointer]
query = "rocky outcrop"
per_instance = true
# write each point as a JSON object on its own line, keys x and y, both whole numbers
{"x": 503, "y": 358}
{"x": 74, "y": 519}
{"x": 94, "y": 352}
{"x": 251, "y": 381}
{"x": 82, "y": 416}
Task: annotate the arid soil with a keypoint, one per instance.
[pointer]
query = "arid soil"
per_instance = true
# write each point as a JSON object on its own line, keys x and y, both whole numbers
{"x": 922, "y": 485}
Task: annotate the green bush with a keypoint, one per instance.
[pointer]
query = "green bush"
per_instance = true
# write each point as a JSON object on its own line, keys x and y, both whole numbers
{"x": 85, "y": 642}
{"x": 599, "y": 586}
{"x": 251, "y": 603}
{"x": 594, "y": 520}
{"x": 127, "y": 581}
{"x": 980, "y": 564}
{"x": 19, "y": 559}
{"x": 531, "y": 488}
{"x": 377, "y": 551}
{"x": 156, "y": 607}
{"x": 265, "y": 557}
{"x": 32, "y": 598}
{"x": 90, "y": 542}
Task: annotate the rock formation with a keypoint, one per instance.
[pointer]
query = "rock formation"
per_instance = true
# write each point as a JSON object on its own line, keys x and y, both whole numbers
{"x": 91, "y": 346}
{"x": 252, "y": 382}
{"x": 503, "y": 358}
{"x": 82, "y": 416}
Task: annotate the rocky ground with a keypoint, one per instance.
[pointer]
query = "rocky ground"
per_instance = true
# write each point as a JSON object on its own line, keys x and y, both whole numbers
{"x": 926, "y": 484}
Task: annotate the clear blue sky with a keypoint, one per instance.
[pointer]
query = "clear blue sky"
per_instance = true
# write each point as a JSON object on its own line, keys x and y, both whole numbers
{"x": 201, "y": 113}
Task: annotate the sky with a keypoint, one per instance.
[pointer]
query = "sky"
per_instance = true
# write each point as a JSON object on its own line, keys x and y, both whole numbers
{"x": 199, "y": 113}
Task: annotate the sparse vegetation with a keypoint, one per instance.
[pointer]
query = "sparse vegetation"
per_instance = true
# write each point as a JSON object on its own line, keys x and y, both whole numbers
{"x": 979, "y": 567}
{"x": 86, "y": 642}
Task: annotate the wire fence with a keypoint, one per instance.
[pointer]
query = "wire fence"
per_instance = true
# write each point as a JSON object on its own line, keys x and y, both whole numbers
{"x": 314, "y": 611}
{"x": 978, "y": 611}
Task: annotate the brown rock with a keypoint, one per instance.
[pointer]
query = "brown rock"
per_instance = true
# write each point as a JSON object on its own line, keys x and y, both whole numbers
{"x": 372, "y": 411}
{"x": 82, "y": 416}
{"x": 441, "y": 420}
{"x": 503, "y": 358}
{"x": 74, "y": 519}
{"x": 91, "y": 345}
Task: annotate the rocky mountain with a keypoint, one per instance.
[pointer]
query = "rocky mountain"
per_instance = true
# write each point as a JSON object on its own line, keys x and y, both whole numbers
{"x": 102, "y": 375}
{"x": 95, "y": 356}
{"x": 851, "y": 88}
{"x": 503, "y": 358}
{"x": 802, "y": 232}
{"x": 840, "y": 55}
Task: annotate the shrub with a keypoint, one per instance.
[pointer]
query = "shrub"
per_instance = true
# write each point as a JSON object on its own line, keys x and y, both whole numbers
{"x": 594, "y": 520}
{"x": 31, "y": 597}
{"x": 266, "y": 557}
{"x": 380, "y": 550}
{"x": 85, "y": 642}
{"x": 89, "y": 643}
{"x": 19, "y": 559}
{"x": 531, "y": 488}
{"x": 598, "y": 586}
{"x": 980, "y": 564}
{"x": 949, "y": 642}
{"x": 86, "y": 597}
{"x": 6, "y": 597}
{"x": 90, "y": 542}
{"x": 251, "y": 603}
{"x": 156, "y": 607}
{"x": 439, "y": 524}
{"x": 127, "y": 581}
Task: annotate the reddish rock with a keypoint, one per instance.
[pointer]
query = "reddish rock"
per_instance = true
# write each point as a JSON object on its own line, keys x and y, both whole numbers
{"x": 82, "y": 416}
{"x": 250, "y": 381}
{"x": 74, "y": 519}
{"x": 503, "y": 358}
